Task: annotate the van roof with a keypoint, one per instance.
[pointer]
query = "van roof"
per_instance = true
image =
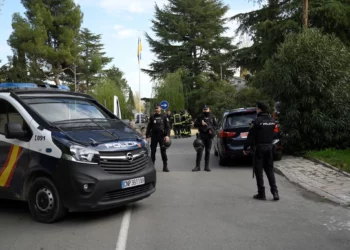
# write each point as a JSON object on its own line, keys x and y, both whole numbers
{"x": 38, "y": 89}
{"x": 10, "y": 86}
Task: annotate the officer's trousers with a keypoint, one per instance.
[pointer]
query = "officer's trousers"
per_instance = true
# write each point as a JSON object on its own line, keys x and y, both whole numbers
{"x": 155, "y": 140}
{"x": 176, "y": 130}
{"x": 188, "y": 128}
{"x": 263, "y": 159}
{"x": 207, "y": 147}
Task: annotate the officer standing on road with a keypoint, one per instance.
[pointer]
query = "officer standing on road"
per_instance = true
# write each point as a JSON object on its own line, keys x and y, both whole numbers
{"x": 206, "y": 124}
{"x": 158, "y": 130}
{"x": 260, "y": 139}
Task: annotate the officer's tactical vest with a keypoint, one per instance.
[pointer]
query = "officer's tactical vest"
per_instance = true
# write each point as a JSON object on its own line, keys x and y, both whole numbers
{"x": 177, "y": 119}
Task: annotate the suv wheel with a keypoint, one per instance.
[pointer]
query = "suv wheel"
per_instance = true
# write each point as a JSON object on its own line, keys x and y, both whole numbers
{"x": 277, "y": 156}
{"x": 44, "y": 201}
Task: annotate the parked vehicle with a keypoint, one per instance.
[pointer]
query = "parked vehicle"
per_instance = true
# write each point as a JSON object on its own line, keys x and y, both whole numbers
{"x": 140, "y": 118}
{"x": 232, "y": 135}
{"x": 62, "y": 151}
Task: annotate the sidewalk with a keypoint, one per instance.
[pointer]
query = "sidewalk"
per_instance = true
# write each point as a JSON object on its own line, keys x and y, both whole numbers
{"x": 317, "y": 178}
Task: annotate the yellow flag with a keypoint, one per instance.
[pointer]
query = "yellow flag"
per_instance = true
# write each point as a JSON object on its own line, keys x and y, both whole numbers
{"x": 139, "y": 49}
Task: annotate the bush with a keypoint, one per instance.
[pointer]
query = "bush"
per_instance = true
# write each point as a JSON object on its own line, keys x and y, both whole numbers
{"x": 104, "y": 92}
{"x": 219, "y": 95}
{"x": 171, "y": 89}
{"x": 310, "y": 76}
{"x": 247, "y": 97}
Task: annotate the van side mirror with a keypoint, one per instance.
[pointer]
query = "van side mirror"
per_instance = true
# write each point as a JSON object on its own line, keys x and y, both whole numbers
{"x": 15, "y": 131}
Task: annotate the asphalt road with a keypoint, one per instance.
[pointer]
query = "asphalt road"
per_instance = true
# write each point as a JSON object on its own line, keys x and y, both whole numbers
{"x": 190, "y": 211}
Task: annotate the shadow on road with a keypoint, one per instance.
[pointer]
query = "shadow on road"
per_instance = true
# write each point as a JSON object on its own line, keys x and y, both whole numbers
{"x": 19, "y": 209}
{"x": 241, "y": 163}
{"x": 13, "y": 207}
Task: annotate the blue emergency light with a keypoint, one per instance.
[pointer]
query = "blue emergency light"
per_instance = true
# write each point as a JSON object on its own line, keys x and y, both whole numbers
{"x": 63, "y": 87}
{"x": 12, "y": 85}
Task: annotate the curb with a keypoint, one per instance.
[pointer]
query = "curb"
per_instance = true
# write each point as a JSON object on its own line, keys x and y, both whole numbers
{"x": 278, "y": 171}
{"x": 314, "y": 190}
{"x": 327, "y": 165}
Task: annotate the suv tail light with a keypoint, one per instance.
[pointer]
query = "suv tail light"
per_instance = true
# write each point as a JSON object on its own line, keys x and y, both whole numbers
{"x": 224, "y": 134}
{"x": 277, "y": 129}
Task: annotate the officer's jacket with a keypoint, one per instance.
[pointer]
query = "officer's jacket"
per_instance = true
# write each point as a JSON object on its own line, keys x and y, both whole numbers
{"x": 261, "y": 131}
{"x": 184, "y": 118}
{"x": 158, "y": 125}
{"x": 211, "y": 122}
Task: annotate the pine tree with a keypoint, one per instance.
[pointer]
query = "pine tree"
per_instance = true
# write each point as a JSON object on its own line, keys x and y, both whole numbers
{"x": 270, "y": 24}
{"x": 268, "y": 27}
{"x": 117, "y": 76}
{"x": 17, "y": 70}
{"x": 91, "y": 59}
{"x": 130, "y": 104}
{"x": 47, "y": 35}
{"x": 131, "y": 101}
{"x": 190, "y": 36}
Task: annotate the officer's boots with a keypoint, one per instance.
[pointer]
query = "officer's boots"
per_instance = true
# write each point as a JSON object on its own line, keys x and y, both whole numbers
{"x": 198, "y": 164}
{"x": 197, "y": 168}
{"x": 206, "y": 168}
{"x": 260, "y": 196}
{"x": 165, "y": 167}
{"x": 275, "y": 195}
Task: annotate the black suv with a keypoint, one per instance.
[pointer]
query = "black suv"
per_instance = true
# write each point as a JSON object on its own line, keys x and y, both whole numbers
{"x": 230, "y": 138}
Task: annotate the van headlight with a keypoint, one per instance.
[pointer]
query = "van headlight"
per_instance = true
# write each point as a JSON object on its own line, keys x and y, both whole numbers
{"x": 148, "y": 147}
{"x": 83, "y": 154}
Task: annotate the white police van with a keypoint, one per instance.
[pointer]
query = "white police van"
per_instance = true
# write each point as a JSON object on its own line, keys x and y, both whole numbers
{"x": 62, "y": 151}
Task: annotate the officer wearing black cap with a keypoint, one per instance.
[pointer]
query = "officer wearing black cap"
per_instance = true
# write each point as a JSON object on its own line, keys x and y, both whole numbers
{"x": 260, "y": 139}
{"x": 206, "y": 124}
{"x": 158, "y": 130}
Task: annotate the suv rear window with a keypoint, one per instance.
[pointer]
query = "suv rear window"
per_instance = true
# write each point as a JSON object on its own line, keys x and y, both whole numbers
{"x": 239, "y": 119}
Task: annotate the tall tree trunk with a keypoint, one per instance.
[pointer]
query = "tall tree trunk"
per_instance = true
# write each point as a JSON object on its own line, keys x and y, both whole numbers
{"x": 57, "y": 80}
{"x": 305, "y": 13}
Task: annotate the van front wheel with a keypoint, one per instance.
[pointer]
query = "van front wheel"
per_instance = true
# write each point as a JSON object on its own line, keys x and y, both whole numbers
{"x": 44, "y": 201}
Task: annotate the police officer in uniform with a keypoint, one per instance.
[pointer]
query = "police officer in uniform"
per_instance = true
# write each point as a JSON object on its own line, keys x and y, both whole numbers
{"x": 206, "y": 124}
{"x": 158, "y": 130}
{"x": 260, "y": 139}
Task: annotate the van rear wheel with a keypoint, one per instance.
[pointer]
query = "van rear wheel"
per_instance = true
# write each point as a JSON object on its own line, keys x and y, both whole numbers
{"x": 44, "y": 201}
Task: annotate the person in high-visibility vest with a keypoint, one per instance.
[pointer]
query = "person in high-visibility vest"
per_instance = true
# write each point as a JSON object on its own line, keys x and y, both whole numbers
{"x": 184, "y": 118}
{"x": 188, "y": 123}
{"x": 177, "y": 124}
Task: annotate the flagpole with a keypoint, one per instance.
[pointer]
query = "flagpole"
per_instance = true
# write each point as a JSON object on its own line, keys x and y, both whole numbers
{"x": 140, "y": 73}
{"x": 140, "y": 83}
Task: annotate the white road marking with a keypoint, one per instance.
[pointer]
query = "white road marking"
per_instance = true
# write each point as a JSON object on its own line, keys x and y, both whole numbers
{"x": 124, "y": 229}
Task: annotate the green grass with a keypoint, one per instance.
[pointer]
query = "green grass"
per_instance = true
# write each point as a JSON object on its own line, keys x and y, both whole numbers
{"x": 336, "y": 158}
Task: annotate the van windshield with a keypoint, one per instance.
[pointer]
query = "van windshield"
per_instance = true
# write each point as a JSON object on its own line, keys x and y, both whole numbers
{"x": 57, "y": 109}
